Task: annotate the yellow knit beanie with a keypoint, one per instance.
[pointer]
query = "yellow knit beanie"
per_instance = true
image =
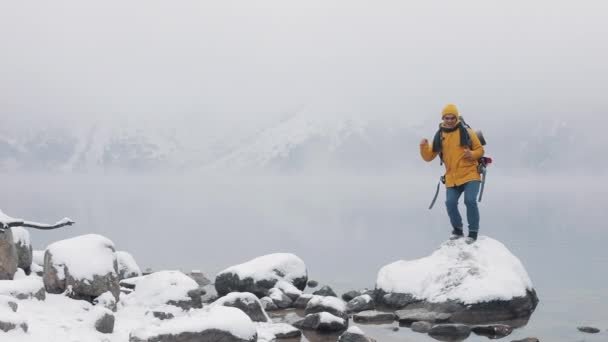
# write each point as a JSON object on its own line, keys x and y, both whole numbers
{"x": 450, "y": 109}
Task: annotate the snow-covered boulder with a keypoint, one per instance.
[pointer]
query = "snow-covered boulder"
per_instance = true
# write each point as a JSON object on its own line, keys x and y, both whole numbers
{"x": 8, "y": 254}
{"x": 215, "y": 323}
{"x": 361, "y": 303}
{"x": 476, "y": 283}
{"x": 127, "y": 267}
{"x": 246, "y": 302}
{"x": 322, "y": 321}
{"x": 333, "y": 305}
{"x": 85, "y": 277}
{"x": 165, "y": 288}
{"x": 354, "y": 334}
{"x": 261, "y": 274}
{"x": 23, "y": 288}
{"x": 24, "y": 248}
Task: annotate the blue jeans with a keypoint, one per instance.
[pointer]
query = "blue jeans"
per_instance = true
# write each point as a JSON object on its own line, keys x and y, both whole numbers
{"x": 452, "y": 195}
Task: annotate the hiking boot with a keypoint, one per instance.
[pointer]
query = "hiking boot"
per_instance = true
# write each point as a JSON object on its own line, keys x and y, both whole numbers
{"x": 456, "y": 234}
{"x": 471, "y": 238}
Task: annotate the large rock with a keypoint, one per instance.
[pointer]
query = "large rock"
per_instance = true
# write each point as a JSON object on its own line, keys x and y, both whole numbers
{"x": 127, "y": 267}
{"x": 261, "y": 274}
{"x": 476, "y": 284}
{"x": 87, "y": 278}
{"x": 246, "y": 302}
{"x": 24, "y": 248}
{"x": 217, "y": 323}
{"x": 8, "y": 255}
{"x": 165, "y": 288}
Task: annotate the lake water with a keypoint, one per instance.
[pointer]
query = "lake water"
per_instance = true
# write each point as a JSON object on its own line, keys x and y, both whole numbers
{"x": 345, "y": 228}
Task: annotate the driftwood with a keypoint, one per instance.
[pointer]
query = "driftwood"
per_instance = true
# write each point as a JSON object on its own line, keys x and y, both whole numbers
{"x": 44, "y": 226}
{"x": 8, "y": 249}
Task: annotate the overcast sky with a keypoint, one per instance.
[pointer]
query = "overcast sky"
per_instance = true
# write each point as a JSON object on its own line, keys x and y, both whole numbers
{"x": 249, "y": 59}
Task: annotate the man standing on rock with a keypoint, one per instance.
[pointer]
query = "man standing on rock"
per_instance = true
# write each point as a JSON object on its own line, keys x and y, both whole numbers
{"x": 460, "y": 149}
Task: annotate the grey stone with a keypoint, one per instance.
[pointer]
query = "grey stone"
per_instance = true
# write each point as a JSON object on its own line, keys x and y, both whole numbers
{"x": 360, "y": 303}
{"x": 450, "y": 332}
{"x": 105, "y": 323}
{"x": 313, "y": 283}
{"x": 315, "y": 322}
{"x": 398, "y": 300}
{"x": 248, "y": 303}
{"x": 162, "y": 315}
{"x": 372, "y": 316}
{"x": 348, "y": 336}
{"x": 409, "y": 316}
{"x": 589, "y": 330}
{"x": 527, "y": 339}
{"x": 348, "y": 296}
{"x": 200, "y": 278}
{"x": 493, "y": 331}
{"x": 8, "y": 255}
{"x": 325, "y": 291}
{"x": 421, "y": 327}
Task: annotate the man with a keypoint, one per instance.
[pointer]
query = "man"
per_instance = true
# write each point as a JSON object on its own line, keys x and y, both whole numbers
{"x": 459, "y": 148}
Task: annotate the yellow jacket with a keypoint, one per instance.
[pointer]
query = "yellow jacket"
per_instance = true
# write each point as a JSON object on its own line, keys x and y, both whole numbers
{"x": 458, "y": 170}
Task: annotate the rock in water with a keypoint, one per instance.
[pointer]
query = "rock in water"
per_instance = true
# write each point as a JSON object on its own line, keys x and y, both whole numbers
{"x": 479, "y": 283}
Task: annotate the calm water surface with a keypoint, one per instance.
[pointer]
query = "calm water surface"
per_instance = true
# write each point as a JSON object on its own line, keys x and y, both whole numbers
{"x": 344, "y": 228}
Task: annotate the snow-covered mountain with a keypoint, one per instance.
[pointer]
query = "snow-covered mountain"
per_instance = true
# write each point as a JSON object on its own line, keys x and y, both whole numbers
{"x": 290, "y": 143}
